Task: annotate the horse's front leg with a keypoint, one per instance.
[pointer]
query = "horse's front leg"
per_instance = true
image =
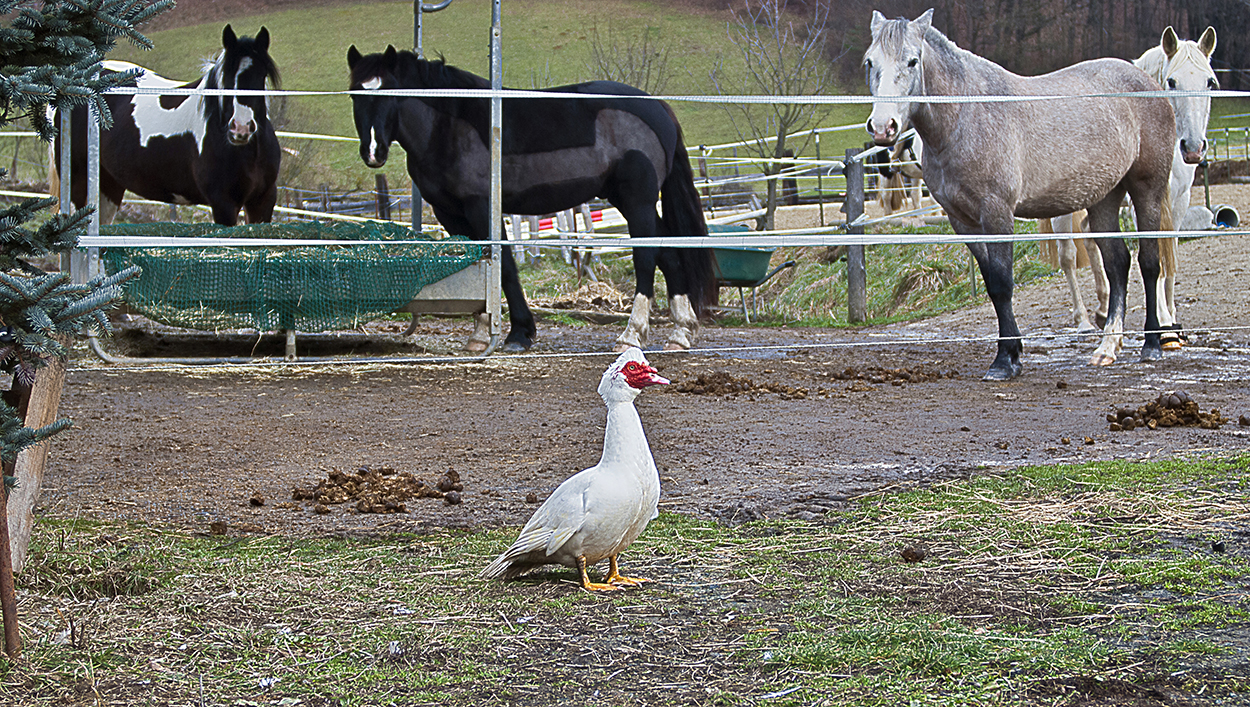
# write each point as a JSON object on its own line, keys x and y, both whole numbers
{"x": 638, "y": 328}
{"x": 995, "y": 263}
{"x": 260, "y": 208}
{"x": 1104, "y": 217}
{"x": 522, "y": 333}
{"x": 475, "y": 223}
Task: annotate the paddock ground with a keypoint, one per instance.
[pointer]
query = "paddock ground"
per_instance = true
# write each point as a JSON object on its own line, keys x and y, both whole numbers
{"x": 193, "y": 446}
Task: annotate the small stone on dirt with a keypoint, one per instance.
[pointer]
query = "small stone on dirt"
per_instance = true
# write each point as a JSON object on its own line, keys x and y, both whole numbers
{"x": 531, "y": 497}
{"x": 217, "y": 527}
{"x": 256, "y": 500}
{"x": 452, "y": 498}
{"x": 913, "y": 553}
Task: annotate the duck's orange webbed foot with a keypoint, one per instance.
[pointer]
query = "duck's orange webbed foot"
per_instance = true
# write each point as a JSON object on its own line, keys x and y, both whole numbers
{"x": 615, "y": 577}
{"x": 594, "y": 586}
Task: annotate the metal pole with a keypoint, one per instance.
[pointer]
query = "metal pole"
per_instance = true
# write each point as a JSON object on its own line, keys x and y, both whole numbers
{"x": 67, "y": 184}
{"x": 856, "y": 280}
{"x": 85, "y": 263}
{"x": 418, "y": 10}
{"x": 496, "y": 171}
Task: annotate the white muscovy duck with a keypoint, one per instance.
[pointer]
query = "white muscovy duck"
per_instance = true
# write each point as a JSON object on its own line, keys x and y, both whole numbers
{"x": 600, "y": 511}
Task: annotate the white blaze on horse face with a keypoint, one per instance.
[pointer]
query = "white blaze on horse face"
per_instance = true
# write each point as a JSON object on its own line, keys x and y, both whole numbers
{"x": 243, "y": 118}
{"x": 372, "y": 84}
{"x": 894, "y": 66}
{"x": 154, "y": 121}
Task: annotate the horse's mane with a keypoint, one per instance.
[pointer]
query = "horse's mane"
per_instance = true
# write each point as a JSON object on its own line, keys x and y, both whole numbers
{"x": 1155, "y": 62}
{"x": 893, "y": 33}
{"x": 437, "y": 73}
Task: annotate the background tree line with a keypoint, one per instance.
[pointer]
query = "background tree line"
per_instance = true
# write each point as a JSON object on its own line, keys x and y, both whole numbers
{"x": 1035, "y": 36}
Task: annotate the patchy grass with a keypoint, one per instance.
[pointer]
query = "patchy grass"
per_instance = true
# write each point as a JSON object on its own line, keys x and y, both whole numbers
{"x": 1082, "y": 585}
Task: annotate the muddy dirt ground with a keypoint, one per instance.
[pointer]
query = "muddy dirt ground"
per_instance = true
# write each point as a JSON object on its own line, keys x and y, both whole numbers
{"x": 833, "y": 414}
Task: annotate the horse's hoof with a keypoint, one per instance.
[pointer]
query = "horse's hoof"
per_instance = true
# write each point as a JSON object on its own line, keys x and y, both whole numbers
{"x": 670, "y": 346}
{"x": 514, "y": 347}
{"x": 476, "y": 346}
{"x": 1002, "y": 374}
{"x": 1151, "y": 354}
{"x": 622, "y": 348}
{"x": 1101, "y": 360}
{"x": 1086, "y": 328}
{"x": 1171, "y": 343}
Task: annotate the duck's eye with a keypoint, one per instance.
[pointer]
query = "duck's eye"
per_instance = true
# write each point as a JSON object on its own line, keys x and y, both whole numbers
{"x": 1172, "y": 84}
{"x": 912, "y": 63}
{"x": 1212, "y": 84}
{"x": 631, "y": 366}
{"x": 867, "y": 63}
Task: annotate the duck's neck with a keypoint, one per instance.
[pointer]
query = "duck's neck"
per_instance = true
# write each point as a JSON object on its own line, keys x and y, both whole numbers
{"x": 624, "y": 441}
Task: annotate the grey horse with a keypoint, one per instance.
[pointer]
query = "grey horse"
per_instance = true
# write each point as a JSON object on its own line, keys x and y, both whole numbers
{"x": 987, "y": 162}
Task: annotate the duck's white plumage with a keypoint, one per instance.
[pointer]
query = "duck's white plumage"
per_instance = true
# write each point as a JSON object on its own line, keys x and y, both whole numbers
{"x": 598, "y": 512}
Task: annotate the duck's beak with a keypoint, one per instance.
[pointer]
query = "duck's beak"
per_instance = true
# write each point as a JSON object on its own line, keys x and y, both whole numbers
{"x": 654, "y": 378}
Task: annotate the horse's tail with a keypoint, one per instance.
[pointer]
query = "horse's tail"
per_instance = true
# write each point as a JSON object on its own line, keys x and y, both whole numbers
{"x": 893, "y": 193}
{"x": 683, "y": 216}
{"x": 1167, "y": 246}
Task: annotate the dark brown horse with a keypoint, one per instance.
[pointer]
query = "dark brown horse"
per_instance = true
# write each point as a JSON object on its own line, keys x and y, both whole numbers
{"x": 988, "y": 162}
{"x": 557, "y": 153}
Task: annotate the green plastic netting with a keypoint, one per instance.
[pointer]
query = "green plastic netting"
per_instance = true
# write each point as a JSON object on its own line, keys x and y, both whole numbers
{"x": 314, "y": 288}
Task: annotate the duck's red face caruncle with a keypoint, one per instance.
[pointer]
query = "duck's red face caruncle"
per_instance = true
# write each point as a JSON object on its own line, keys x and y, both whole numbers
{"x": 640, "y": 375}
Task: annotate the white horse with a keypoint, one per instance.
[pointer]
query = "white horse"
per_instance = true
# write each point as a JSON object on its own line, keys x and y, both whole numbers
{"x": 1178, "y": 65}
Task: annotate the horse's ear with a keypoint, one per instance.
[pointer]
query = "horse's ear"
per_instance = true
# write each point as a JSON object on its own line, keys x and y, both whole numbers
{"x": 391, "y": 57}
{"x": 228, "y": 38}
{"x": 878, "y": 19}
{"x": 1169, "y": 42}
{"x": 1207, "y": 42}
{"x": 262, "y": 39}
{"x": 353, "y": 56}
{"x": 924, "y": 22}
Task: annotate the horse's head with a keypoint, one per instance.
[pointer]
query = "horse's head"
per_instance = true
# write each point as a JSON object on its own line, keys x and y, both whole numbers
{"x": 894, "y": 66}
{"x": 1188, "y": 68}
{"x": 375, "y": 116}
{"x": 244, "y": 64}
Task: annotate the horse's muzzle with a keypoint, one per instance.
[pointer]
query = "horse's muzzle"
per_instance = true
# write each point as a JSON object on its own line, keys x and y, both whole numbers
{"x": 1192, "y": 156}
{"x": 241, "y": 134}
{"x": 886, "y": 136}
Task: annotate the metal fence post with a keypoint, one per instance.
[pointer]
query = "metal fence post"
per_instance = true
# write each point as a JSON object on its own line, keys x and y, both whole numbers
{"x": 853, "y": 206}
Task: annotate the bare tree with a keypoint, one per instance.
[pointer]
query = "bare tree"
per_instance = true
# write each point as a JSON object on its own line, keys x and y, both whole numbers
{"x": 782, "y": 58}
{"x": 637, "y": 59}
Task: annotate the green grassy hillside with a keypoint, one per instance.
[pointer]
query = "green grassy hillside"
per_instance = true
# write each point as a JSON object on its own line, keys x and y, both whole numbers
{"x": 545, "y": 43}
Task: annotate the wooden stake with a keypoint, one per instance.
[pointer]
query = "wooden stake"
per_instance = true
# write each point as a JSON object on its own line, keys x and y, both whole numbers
{"x": 8, "y": 594}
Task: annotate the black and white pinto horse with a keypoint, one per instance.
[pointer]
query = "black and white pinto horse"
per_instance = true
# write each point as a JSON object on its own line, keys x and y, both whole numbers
{"x": 187, "y": 149}
{"x": 988, "y": 162}
{"x": 557, "y": 153}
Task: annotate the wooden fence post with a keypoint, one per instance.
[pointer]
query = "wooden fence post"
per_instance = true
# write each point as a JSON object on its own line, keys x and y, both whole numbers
{"x": 41, "y": 410}
{"x": 853, "y": 206}
{"x": 384, "y": 197}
